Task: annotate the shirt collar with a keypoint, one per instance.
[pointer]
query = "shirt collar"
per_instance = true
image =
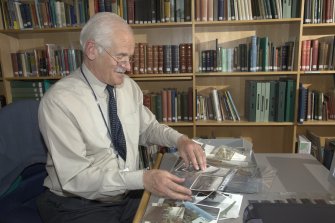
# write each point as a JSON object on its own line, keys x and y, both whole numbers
{"x": 98, "y": 86}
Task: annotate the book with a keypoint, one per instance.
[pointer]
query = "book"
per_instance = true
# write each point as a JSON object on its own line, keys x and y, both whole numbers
{"x": 281, "y": 97}
{"x": 302, "y": 104}
{"x": 250, "y": 100}
{"x": 304, "y": 144}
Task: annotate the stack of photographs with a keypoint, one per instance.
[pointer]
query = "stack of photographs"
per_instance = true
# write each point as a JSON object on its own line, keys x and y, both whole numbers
{"x": 205, "y": 207}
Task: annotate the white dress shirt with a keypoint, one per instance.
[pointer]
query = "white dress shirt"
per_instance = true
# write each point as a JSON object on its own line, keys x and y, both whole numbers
{"x": 81, "y": 159}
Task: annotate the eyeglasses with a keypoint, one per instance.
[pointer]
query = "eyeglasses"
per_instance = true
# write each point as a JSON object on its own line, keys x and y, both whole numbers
{"x": 121, "y": 60}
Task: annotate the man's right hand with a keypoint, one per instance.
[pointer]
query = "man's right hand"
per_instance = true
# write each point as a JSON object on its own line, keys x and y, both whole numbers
{"x": 164, "y": 184}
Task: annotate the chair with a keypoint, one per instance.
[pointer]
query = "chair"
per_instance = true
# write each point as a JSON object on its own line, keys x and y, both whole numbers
{"x": 22, "y": 162}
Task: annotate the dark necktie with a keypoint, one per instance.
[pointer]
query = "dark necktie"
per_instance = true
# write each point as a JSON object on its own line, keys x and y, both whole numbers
{"x": 118, "y": 138}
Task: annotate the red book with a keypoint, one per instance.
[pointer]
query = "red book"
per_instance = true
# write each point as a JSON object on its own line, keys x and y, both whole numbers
{"x": 203, "y": 10}
{"x": 315, "y": 52}
{"x": 155, "y": 59}
{"x": 182, "y": 58}
{"x": 142, "y": 49}
{"x": 147, "y": 100}
{"x": 149, "y": 59}
{"x": 136, "y": 58}
{"x": 197, "y": 10}
{"x": 15, "y": 64}
{"x": 328, "y": 11}
{"x": 130, "y": 11}
{"x": 160, "y": 59}
{"x": 308, "y": 54}
{"x": 304, "y": 59}
{"x": 210, "y": 10}
{"x": 189, "y": 58}
{"x": 96, "y": 6}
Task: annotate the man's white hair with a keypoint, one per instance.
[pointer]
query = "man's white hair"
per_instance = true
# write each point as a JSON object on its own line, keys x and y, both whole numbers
{"x": 103, "y": 28}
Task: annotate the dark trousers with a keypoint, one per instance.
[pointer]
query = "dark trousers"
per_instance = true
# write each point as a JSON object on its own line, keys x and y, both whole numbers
{"x": 58, "y": 209}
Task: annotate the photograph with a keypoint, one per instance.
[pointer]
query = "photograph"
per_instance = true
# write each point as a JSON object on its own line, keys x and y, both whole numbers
{"x": 206, "y": 183}
{"x": 162, "y": 214}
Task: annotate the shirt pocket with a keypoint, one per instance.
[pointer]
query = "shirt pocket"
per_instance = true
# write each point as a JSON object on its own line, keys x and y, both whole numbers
{"x": 131, "y": 125}
{"x": 130, "y": 118}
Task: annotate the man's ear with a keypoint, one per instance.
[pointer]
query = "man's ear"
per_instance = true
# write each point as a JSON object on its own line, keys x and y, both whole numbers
{"x": 90, "y": 50}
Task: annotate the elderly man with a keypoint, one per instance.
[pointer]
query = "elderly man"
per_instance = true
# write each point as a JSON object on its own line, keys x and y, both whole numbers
{"x": 92, "y": 122}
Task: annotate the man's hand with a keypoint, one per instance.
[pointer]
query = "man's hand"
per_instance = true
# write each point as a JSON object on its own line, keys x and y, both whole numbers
{"x": 191, "y": 152}
{"x": 164, "y": 184}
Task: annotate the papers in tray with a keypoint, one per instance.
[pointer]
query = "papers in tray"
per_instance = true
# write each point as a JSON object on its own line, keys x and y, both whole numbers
{"x": 205, "y": 208}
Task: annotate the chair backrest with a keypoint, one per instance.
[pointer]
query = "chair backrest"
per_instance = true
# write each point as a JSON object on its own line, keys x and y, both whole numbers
{"x": 21, "y": 143}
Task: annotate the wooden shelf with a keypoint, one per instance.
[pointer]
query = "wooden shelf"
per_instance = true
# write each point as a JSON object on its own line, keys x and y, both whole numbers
{"x": 318, "y": 29}
{"x": 317, "y": 72}
{"x": 161, "y": 77}
{"x": 16, "y": 32}
{"x": 32, "y": 78}
{"x": 240, "y": 123}
{"x": 318, "y": 25}
{"x": 247, "y": 22}
{"x": 272, "y": 73}
{"x": 179, "y": 123}
{"x": 161, "y": 25}
{"x": 318, "y": 123}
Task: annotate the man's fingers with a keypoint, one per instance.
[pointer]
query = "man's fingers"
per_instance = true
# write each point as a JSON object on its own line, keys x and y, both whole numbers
{"x": 198, "y": 158}
{"x": 178, "y": 192}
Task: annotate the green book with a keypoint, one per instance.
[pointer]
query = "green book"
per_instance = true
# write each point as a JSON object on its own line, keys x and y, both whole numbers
{"x": 250, "y": 100}
{"x": 159, "y": 108}
{"x": 264, "y": 45}
{"x": 267, "y": 102}
{"x": 27, "y": 94}
{"x": 27, "y": 90}
{"x": 289, "y": 100}
{"x": 280, "y": 95}
{"x": 26, "y": 84}
{"x": 273, "y": 101}
{"x": 258, "y": 101}
{"x": 153, "y": 103}
{"x": 25, "y": 98}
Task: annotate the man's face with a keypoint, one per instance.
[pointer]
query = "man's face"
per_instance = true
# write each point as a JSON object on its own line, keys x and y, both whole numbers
{"x": 113, "y": 62}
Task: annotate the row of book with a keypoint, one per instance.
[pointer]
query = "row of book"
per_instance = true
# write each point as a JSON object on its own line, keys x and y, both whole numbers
{"x": 318, "y": 54}
{"x": 319, "y": 11}
{"x": 170, "y": 105}
{"x": 22, "y": 90}
{"x": 38, "y": 14}
{"x": 270, "y": 100}
{"x": 315, "y": 105}
{"x": 259, "y": 54}
{"x": 214, "y": 103}
{"x": 147, "y": 11}
{"x": 162, "y": 59}
{"x": 220, "y": 10}
{"x": 52, "y": 60}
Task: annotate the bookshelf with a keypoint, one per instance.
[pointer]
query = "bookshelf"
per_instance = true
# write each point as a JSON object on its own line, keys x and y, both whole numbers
{"x": 267, "y": 136}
